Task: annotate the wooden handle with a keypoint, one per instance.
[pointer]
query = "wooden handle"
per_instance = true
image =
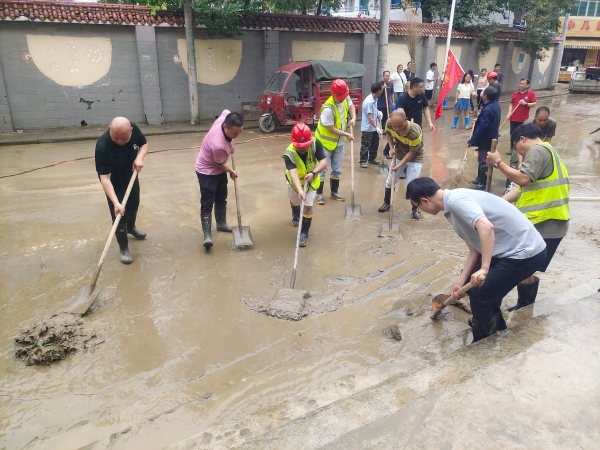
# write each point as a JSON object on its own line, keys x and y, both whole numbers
{"x": 392, "y": 191}
{"x": 387, "y": 105}
{"x": 112, "y": 231}
{"x": 352, "y": 167}
{"x": 293, "y": 278}
{"x": 237, "y": 197}
{"x": 509, "y": 116}
{"x": 490, "y": 173}
{"x": 462, "y": 290}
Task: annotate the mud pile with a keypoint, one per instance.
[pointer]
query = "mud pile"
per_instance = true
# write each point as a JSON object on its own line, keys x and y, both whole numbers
{"x": 295, "y": 307}
{"x": 54, "y": 339}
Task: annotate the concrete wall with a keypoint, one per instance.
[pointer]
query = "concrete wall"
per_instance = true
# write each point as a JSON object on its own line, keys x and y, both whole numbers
{"x": 141, "y": 75}
{"x": 37, "y": 101}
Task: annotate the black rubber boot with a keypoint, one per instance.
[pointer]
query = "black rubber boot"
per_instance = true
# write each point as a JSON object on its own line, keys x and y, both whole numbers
{"x": 131, "y": 229}
{"x": 527, "y": 294}
{"x": 306, "y": 221}
{"x": 221, "y": 217}
{"x": 481, "y": 179}
{"x": 483, "y": 330}
{"x": 416, "y": 214}
{"x": 320, "y": 198}
{"x": 386, "y": 201}
{"x": 206, "y": 224}
{"x": 334, "y": 184}
{"x": 386, "y": 151}
{"x": 295, "y": 215}
{"x": 121, "y": 235}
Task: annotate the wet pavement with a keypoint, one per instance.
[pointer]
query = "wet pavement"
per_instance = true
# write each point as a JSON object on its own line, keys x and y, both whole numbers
{"x": 182, "y": 350}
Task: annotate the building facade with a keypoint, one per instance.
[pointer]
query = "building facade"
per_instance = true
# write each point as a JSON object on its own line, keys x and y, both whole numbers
{"x": 582, "y": 46}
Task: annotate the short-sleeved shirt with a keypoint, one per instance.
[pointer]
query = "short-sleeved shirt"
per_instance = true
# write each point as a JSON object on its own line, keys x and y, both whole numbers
{"x": 515, "y": 237}
{"x": 537, "y": 164}
{"x": 521, "y": 114}
{"x": 464, "y": 90}
{"x": 319, "y": 154}
{"x": 117, "y": 160}
{"x": 414, "y": 141}
{"x": 429, "y": 84}
{"x": 413, "y": 107}
{"x": 389, "y": 89}
{"x": 409, "y": 75}
{"x": 549, "y": 130}
{"x": 328, "y": 119}
{"x": 369, "y": 106}
{"x": 399, "y": 80}
{"x": 215, "y": 149}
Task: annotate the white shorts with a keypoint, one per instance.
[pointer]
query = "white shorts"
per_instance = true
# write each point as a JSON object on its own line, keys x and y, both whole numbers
{"x": 293, "y": 195}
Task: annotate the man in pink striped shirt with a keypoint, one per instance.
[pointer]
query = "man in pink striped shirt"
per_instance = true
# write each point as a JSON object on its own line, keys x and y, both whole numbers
{"x": 211, "y": 170}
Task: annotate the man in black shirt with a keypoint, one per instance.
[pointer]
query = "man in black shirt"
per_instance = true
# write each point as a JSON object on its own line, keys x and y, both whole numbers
{"x": 120, "y": 151}
{"x": 500, "y": 79}
{"x": 414, "y": 103}
{"x": 408, "y": 72}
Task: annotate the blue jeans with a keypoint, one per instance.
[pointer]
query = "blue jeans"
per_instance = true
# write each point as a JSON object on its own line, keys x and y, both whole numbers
{"x": 335, "y": 159}
{"x": 504, "y": 275}
{"x": 397, "y": 98}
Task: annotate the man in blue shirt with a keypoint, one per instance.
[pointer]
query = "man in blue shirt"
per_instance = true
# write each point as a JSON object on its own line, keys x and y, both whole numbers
{"x": 370, "y": 127}
{"x": 486, "y": 129}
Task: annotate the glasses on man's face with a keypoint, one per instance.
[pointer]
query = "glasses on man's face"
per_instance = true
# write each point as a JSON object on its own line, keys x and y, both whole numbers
{"x": 417, "y": 205}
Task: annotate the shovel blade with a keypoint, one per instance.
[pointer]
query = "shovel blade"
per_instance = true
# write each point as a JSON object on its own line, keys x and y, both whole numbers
{"x": 353, "y": 210}
{"x": 438, "y": 304}
{"x": 242, "y": 240}
{"x": 386, "y": 231}
{"x": 383, "y": 169}
{"x": 80, "y": 303}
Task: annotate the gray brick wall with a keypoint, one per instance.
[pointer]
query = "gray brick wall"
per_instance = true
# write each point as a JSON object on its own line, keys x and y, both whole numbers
{"x": 5, "y": 117}
{"x": 38, "y": 102}
{"x": 352, "y": 48}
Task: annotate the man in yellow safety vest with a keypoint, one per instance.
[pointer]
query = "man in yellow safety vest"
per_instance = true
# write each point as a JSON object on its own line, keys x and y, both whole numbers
{"x": 333, "y": 120}
{"x": 304, "y": 161}
{"x": 542, "y": 196}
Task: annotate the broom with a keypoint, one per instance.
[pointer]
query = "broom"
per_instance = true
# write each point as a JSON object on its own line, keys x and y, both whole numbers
{"x": 461, "y": 178}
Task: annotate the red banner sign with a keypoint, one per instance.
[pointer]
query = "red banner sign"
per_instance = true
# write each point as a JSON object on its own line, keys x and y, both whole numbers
{"x": 452, "y": 74}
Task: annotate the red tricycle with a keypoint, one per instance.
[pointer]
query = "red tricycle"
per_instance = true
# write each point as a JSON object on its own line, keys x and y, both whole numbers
{"x": 296, "y": 92}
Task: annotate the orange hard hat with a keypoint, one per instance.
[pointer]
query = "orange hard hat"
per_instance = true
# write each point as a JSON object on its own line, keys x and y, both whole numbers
{"x": 301, "y": 135}
{"x": 339, "y": 89}
{"x": 492, "y": 75}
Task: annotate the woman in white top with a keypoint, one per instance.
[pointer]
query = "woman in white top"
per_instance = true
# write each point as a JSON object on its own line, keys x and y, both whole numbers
{"x": 464, "y": 92}
{"x": 399, "y": 80}
{"x": 482, "y": 84}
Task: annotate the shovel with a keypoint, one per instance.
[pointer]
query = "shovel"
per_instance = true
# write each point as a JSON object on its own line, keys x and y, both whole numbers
{"x": 80, "y": 303}
{"x": 291, "y": 295}
{"x": 390, "y": 229}
{"x": 241, "y": 234}
{"x": 490, "y": 172}
{"x": 383, "y": 168}
{"x": 439, "y": 302}
{"x": 352, "y": 209}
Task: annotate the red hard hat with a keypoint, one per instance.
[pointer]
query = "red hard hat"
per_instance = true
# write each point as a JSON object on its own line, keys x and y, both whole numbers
{"x": 301, "y": 135}
{"x": 492, "y": 75}
{"x": 339, "y": 89}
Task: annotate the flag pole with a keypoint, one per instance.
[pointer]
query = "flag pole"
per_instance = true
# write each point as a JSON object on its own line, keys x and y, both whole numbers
{"x": 448, "y": 39}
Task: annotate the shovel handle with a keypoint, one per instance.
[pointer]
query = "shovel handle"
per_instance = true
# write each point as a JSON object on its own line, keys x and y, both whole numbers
{"x": 509, "y": 116}
{"x": 112, "y": 231}
{"x": 237, "y": 197}
{"x": 490, "y": 173}
{"x": 463, "y": 290}
{"x": 352, "y": 167}
{"x": 293, "y": 279}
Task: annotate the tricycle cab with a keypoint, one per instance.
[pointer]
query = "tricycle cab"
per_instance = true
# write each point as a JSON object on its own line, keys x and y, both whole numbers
{"x": 295, "y": 95}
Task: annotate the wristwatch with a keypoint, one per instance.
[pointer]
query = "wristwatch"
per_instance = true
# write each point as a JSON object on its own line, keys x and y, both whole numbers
{"x": 314, "y": 174}
{"x": 497, "y": 163}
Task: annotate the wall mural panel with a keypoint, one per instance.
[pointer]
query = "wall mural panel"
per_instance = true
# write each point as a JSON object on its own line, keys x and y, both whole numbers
{"x": 217, "y": 60}
{"x": 397, "y": 54}
{"x": 308, "y": 50}
{"x": 70, "y": 61}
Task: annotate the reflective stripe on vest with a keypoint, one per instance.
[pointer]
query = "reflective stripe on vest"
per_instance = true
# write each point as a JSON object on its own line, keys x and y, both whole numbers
{"x": 311, "y": 163}
{"x": 548, "y": 198}
{"x": 329, "y": 140}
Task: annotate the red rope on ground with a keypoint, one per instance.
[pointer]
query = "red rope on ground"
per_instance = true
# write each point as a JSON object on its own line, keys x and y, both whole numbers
{"x": 152, "y": 151}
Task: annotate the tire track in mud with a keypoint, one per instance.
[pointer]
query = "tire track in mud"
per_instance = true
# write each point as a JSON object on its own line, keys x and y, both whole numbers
{"x": 396, "y": 283}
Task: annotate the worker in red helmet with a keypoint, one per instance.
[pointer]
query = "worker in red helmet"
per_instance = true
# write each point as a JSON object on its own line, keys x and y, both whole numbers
{"x": 337, "y": 115}
{"x": 304, "y": 161}
{"x": 492, "y": 78}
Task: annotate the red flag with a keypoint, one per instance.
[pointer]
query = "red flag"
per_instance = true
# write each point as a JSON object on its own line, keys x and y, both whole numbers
{"x": 452, "y": 75}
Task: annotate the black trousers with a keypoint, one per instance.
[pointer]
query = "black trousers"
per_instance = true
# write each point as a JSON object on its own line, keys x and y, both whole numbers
{"x": 369, "y": 143}
{"x": 133, "y": 202}
{"x": 213, "y": 189}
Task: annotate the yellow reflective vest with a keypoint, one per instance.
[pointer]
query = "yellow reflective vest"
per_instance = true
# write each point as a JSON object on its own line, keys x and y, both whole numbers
{"x": 547, "y": 198}
{"x": 329, "y": 140}
{"x": 303, "y": 169}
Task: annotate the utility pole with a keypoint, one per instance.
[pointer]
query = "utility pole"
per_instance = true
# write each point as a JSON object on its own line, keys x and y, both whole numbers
{"x": 449, "y": 36}
{"x": 191, "y": 61}
{"x": 561, "y": 49}
{"x": 384, "y": 32}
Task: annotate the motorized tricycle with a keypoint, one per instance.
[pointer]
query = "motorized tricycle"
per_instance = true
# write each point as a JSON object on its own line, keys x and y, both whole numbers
{"x": 296, "y": 92}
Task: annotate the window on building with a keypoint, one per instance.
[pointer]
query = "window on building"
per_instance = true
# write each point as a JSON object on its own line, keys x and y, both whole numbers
{"x": 586, "y": 9}
{"x": 591, "y": 11}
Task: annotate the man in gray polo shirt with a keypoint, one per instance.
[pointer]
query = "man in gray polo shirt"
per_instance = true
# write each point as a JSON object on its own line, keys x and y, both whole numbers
{"x": 546, "y": 123}
{"x": 503, "y": 246}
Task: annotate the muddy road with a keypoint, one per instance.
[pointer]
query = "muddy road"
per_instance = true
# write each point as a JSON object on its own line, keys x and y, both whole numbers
{"x": 182, "y": 348}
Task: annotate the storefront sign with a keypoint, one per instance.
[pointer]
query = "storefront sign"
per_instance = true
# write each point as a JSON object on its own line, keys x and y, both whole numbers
{"x": 582, "y": 26}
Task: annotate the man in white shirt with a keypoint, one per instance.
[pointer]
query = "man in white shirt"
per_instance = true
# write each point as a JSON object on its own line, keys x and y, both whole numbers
{"x": 399, "y": 80}
{"x": 430, "y": 81}
{"x": 370, "y": 127}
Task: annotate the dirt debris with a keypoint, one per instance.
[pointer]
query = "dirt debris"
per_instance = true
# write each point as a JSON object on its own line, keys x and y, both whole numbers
{"x": 54, "y": 339}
